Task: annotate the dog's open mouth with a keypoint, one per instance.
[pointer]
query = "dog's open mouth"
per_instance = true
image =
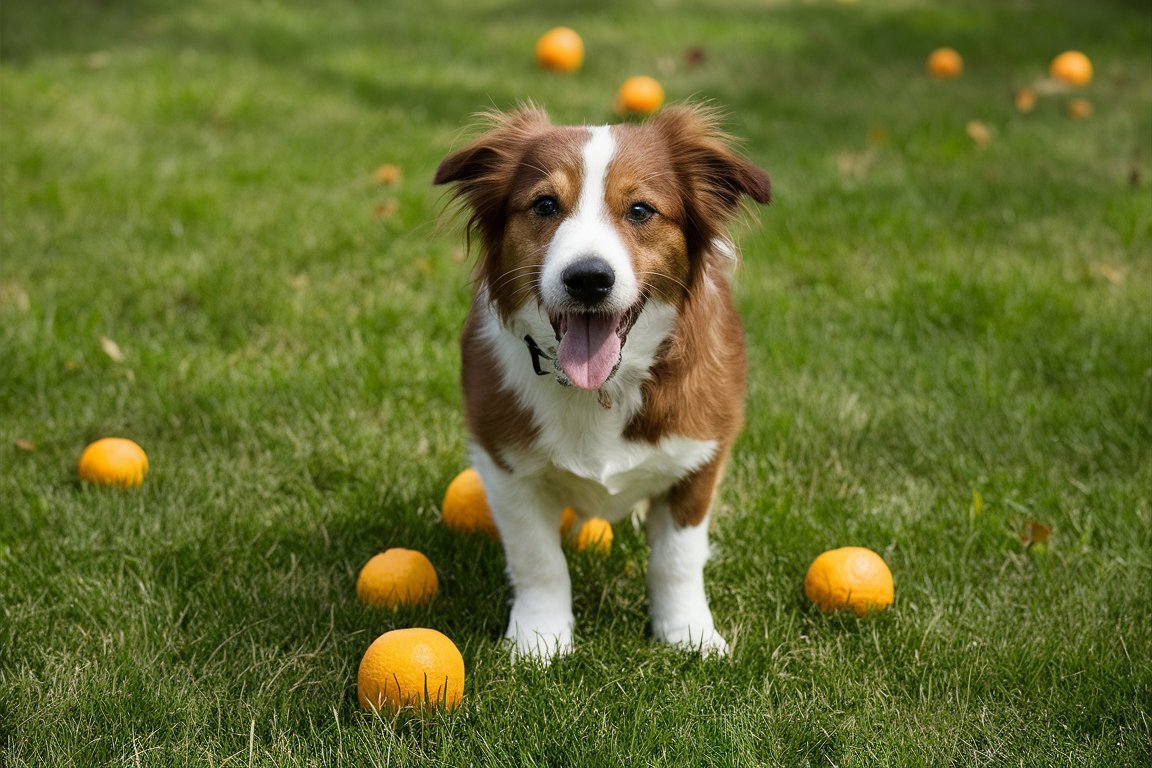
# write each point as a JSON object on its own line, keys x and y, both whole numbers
{"x": 591, "y": 344}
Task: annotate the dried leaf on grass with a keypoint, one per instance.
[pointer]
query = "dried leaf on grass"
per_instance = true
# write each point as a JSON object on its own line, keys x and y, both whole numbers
{"x": 1114, "y": 274}
{"x": 855, "y": 165}
{"x": 386, "y": 209}
{"x": 1025, "y": 100}
{"x": 979, "y": 133}
{"x": 977, "y": 506}
{"x": 13, "y": 295}
{"x": 1034, "y": 533}
{"x": 112, "y": 349}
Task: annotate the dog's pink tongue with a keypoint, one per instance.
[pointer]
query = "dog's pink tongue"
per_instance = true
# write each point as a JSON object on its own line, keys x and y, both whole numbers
{"x": 590, "y": 349}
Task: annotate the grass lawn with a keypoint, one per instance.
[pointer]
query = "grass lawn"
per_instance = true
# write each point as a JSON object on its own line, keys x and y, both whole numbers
{"x": 950, "y": 347}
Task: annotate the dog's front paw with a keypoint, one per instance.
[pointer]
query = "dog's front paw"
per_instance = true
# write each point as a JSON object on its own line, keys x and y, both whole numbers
{"x": 540, "y": 640}
{"x": 693, "y": 637}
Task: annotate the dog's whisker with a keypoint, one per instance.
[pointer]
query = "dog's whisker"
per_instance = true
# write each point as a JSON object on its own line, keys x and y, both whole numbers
{"x": 670, "y": 278}
{"x": 515, "y": 274}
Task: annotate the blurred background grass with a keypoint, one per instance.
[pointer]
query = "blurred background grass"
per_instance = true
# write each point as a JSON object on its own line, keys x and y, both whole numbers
{"x": 947, "y": 341}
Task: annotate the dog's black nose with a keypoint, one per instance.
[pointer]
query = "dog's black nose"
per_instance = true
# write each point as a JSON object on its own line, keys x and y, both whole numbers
{"x": 588, "y": 280}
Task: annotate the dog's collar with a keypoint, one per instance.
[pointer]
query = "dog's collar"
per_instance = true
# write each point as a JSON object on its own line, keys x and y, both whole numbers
{"x": 537, "y": 354}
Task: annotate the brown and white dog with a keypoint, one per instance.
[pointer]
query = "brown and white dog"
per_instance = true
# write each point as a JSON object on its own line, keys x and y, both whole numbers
{"x": 603, "y": 360}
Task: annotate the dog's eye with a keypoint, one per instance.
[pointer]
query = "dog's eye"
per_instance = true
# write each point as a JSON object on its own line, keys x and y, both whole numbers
{"x": 545, "y": 206}
{"x": 639, "y": 213}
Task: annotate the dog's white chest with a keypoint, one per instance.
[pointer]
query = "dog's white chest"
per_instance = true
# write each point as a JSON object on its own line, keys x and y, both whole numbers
{"x": 579, "y": 455}
{"x": 638, "y": 470}
{"x": 616, "y": 464}
{"x": 608, "y": 477}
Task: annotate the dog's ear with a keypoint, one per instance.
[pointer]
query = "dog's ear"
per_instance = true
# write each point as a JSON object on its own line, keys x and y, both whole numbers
{"x": 702, "y": 148}
{"x": 717, "y": 175}
{"x": 496, "y": 151}
{"x": 484, "y": 169}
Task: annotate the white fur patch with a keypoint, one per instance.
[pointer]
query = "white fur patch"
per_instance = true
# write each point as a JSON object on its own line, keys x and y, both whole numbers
{"x": 588, "y": 232}
{"x": 677, "y": 603}
{"x": 540, "y": 625}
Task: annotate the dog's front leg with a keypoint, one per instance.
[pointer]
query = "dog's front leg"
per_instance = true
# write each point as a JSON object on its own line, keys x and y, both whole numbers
{"x": 541, "y": 621}
{"x": 678, "y": 605}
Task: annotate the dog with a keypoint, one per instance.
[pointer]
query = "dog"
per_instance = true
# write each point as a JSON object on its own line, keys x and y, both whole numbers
{"x": 603, "y": 361}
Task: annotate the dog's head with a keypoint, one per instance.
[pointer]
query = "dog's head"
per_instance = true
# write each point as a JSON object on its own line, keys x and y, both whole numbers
{"x": 586, "y": 226}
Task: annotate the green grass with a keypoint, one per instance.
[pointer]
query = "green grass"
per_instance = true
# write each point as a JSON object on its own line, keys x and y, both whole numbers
{"x": 946, "y": 342}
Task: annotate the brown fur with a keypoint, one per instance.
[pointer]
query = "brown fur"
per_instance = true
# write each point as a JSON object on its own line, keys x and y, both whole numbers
{"x": 697, "y": 390}
{"x": 498, "y": 176}
{"x": 497, "y": 423}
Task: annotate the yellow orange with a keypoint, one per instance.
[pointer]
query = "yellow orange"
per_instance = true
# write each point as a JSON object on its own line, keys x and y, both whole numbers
{"x": 560, "y": 50}
{"x": 113, "y": 461}
{"x": 1072, "y": 67}
{"x": 639, "y": 95}
{"x": 414, "y": 667}
{"x": 945, "y": 64}
{"x": 853, "y": 578}
{"x": 595, "y": 534}
{"x": 397, "y": 577}
{"x": 465, "y": 506}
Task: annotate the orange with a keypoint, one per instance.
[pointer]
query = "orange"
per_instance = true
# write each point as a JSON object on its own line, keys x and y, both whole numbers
{"x": 560, "y": 50}
{"x": 397, "y": 577}
{"x": 465, "y": 506}
{"x": 945, "y": 64}
{"x": 849, "y": 577}
{"x": 639, "y": 95}
{"x": 1072, "y": 67}
{"x": 595, "y": 534}
{"x": 113, "y": 461}
{"x": 411, "y": 668}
